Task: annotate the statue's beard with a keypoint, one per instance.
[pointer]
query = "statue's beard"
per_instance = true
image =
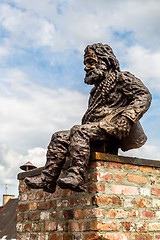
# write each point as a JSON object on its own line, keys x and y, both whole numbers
{"x": 96, "y": 75}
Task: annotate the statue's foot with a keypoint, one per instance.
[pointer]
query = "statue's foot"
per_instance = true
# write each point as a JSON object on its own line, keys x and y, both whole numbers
{"x": 72, "y": 182}
{"x": 40, "y": 183}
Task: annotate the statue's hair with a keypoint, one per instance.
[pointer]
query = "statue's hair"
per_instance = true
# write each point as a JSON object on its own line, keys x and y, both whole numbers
{"x": 105, "y": 53}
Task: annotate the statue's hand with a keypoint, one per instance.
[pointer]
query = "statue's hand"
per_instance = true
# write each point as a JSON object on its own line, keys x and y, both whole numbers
{"x": 123, "y": 127}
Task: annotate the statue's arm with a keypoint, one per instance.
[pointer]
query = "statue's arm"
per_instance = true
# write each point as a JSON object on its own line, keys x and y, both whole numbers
{"x": 138, "y": 96}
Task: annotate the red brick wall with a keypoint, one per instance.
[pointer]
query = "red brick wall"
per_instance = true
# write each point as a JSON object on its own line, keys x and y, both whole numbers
{"x": 122, "y": 203}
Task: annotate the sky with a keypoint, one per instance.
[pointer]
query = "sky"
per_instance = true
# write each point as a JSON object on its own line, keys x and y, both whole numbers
{"x": 42, "y": 86}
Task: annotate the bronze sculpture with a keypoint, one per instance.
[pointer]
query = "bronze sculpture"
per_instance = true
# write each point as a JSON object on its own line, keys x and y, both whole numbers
{"x": 117, "y": 102}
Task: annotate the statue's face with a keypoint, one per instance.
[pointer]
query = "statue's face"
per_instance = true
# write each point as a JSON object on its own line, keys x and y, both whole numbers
{"x": 90, "y": 60}
{"x": 95, "y": 69}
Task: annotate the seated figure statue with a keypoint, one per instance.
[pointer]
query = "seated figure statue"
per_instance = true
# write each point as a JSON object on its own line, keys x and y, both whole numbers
{"x": 117, "y": 101}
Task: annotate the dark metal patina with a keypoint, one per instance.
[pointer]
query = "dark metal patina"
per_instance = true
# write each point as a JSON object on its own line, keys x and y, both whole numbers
{"x": 117, "y": 102}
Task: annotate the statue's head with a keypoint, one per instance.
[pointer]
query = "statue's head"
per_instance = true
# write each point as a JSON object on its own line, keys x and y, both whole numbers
{"x": 98, "y": 59}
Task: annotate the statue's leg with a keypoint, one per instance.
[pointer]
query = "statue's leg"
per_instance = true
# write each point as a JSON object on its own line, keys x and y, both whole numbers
{"x": 80, "y": 138}
{"x": 56, "y": 154}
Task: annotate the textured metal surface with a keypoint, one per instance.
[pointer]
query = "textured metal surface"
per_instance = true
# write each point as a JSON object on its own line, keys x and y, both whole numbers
{"x": 117, "y": 102}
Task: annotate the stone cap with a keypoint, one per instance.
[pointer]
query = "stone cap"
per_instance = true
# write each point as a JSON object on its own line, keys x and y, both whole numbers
{"x": 97, "y": 156}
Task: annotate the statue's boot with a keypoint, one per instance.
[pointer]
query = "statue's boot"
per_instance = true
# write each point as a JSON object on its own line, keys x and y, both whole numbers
{"x": 73, "y": 181}
{"x": 39, "y": 182}
{"x": 56, "y": 154}
{"x": 79, "y": 154}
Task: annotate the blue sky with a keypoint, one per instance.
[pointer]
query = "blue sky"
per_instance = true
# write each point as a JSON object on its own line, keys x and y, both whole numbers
{"x": 42, "y": 72}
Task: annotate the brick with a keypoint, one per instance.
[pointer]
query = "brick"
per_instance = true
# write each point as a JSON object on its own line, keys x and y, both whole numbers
{"x": 47, "y": 195}
{"x": 56, "y": 193}
{"x": 119, "y": 177}
{"x": 44, "y": 216}
{"x": 68, "y": 214}
{"x": 113, "y": 165}
{"x": 54, "y": 215}
{"x": 42, "y": 206}
{"x": 96, "y": 188}
{"x": 99, "y": 176}
{"x": 39, "y": 195}
{"x": 86, "y": 201}
{"x": 94, "y": 213}
{"x": 51, "y": 226}
{"x": 106, "y": 200}
{"x": 143, "y": 203}
{"x": 133, "y": 213}
{"x": 55, "y": 236}
{"x": 110, "y": 226}
{"x": 27, "y": 189}
{"x": 117, "y": 236}
{"x": 42, "y": 236}
{"x": 33, "y": 206}
{"x": 142, "y": 236}
{"x": 28, "y": 227}
{"x": 136, "y": 178}
{"x": 154, "y": 226}
{"x": 62, "y": 203}
{"x": 77, "y": 236}
{"x": 158, "y": 214}
{"x": 66, "y": 236}
{"x": 141, "y": 227}
{"x": 24, "y": 197}
{"x": 128, "y": 226}
{"x": 25, "y": 236}
{"x": 23, "y": 207}
{"x": 129, "y": 203}
{"x": 33, "y": 216}
{"x": 156, "y": 203}
{"x": 145, "y": 192}
{"x": 66, "y": 193}
{"x": 133, "y": 167}
{"x": 89, "y": 236}
{"x": 21, "y": 188}
{"x": 79, "y": 214}
{"x": 73, "y": 202}
{"x": 156, "y": 191}
{"x": 157, "y": 236}
{"x": 120, "y": 213}
{"x": 96, "y": 164}
{"x": 59, "y": 227}
{"x": 52, "y": 204}
{"x": 146, "y": 169}
{"x": 19, "y": 227}
{"x": 117, "y": 213}
{"x": 147, "y": 214}
{"x": 126, "y": 190}
{"x": 32, "y": 196}
{"x": 38, "y": 227}
{"x": 33, "y": 236}
{"x": 79, "y": 226}
{"x": 22, "y": 216}
{"x": 156, "y": 170}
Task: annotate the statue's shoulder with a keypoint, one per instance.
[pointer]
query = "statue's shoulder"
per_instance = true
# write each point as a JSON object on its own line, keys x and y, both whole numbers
{"x": 129, "y": 78}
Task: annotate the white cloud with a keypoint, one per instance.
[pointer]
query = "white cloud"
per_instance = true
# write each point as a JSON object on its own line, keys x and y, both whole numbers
{"x": 144, "y": 64}
{"x": 25, "y": 28}
{"x": 29, "y": 111}
{"x": 148, "y": 151}
{"x": 73, "y": 24}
